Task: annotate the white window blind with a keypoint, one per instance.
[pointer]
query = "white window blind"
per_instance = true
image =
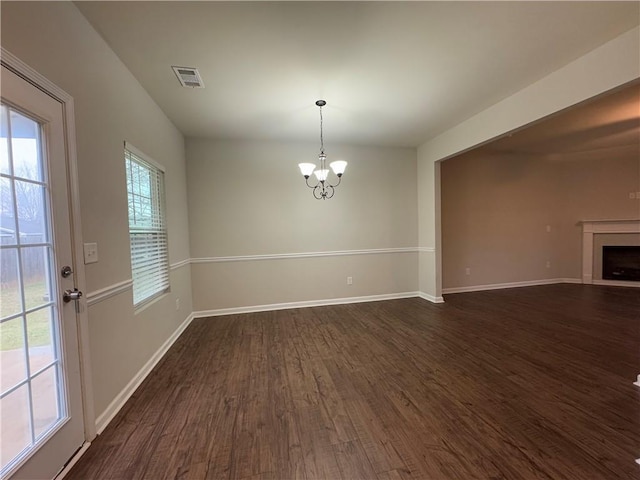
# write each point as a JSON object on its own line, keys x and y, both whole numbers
{"x": 147, "y": 227}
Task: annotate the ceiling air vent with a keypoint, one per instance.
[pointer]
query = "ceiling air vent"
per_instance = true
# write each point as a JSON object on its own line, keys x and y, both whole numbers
{"x": 189, "y": 77}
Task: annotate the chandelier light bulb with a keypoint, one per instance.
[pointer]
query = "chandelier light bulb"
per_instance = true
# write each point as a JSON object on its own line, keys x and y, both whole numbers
{"x": 322, "y": 174}
{"x": 307, "y": 169}
{"x": 338, "y": 167}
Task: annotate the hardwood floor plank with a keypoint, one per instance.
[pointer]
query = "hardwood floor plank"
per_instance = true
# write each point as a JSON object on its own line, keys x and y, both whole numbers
{"x": 353, "y": 462}
{"x": 527, "y": 383}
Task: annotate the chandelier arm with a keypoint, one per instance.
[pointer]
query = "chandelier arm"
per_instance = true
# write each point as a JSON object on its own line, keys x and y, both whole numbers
{"x": 317, "y": 189}
{"x": 336, "y": 184}
{"x": 333, "y": 190}
{"x": 306, "y": 179}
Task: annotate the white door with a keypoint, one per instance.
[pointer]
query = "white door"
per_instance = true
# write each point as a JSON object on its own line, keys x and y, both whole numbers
{"x": 40, "y": 388}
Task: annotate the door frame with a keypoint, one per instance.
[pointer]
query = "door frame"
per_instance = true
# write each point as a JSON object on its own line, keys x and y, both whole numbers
{"x": 23, "y": 70}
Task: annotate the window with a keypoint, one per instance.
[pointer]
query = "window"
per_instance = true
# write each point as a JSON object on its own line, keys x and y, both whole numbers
{"x": 147, "y": 226}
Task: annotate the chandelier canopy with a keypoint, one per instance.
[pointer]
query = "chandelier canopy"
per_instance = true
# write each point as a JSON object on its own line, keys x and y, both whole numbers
{"x": 323, "y": 189}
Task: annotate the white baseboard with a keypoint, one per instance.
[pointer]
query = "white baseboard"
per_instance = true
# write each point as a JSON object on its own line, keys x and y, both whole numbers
{"x": 303, "y": 304}
{"x": 430, "y": 298}
{"x": 637, "y": 382}
{"x": 114, "y": 407}
{"x": 499, "y": 286}
{"x": 617, "y": 283}
{"x": 570, "y": 280}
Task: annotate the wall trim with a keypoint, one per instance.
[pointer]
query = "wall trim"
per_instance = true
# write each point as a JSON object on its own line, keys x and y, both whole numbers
{"x": 500, "y": 286}
{"x": 120, "y": 287}
{"x": 179, "y": 264}
{"x": 430, "y": 298}
{"x": 108, "y": 292}
{"x": 616, "y": 283}
{"x": 118, "y": 402}
{"x": 426, "y": 249}
{"x": 277, "y": 256}
{"x": 570, "y": 280}
{"x": 303, "y": 304}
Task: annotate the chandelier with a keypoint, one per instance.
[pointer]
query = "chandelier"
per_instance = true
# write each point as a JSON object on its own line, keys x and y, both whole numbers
{"x": 323, "y": 189}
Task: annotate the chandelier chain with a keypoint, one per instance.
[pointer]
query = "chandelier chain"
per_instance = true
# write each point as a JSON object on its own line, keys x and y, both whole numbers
{"x": 321, "y": 135}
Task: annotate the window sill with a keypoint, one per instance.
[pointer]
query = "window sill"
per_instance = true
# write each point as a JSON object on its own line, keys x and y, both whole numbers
{"x": 142, "y": 306}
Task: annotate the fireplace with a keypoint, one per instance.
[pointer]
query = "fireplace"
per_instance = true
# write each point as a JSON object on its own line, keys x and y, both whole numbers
{"x": 591, "y": 255}
{"x": 621, "y": 263}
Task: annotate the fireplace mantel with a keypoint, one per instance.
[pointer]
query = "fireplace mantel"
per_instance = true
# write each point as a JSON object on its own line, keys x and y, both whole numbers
{"x": 591, "y": 227}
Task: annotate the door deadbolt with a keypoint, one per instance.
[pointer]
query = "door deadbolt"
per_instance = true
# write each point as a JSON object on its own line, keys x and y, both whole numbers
{"x": 66, "y": 271}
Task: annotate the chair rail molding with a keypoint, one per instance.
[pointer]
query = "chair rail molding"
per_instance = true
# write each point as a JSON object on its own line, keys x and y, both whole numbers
{"x": 280, "y": 256}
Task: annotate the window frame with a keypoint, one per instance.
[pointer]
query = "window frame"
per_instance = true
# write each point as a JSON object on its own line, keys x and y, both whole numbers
{"x": 157, "y": 200}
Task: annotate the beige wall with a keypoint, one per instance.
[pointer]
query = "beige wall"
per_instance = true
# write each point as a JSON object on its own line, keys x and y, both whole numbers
{"x": 496, "y": 209}
{"x": 110, "y": 107}
{"x": 248, "y": 198}
{"x": 595, "y": 189}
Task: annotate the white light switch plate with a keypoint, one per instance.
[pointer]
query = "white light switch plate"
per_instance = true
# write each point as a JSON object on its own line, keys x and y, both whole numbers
{"x": 90, "y": 253}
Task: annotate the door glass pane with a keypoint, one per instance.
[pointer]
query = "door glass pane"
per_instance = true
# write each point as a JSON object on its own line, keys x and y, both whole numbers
{"x": 31, "y": 212}
{"x": 13, "y": 366}
{"x": 25, "y": 147}
{"x": 40, "y": 335}
{"x": 35, "y": 276}
{"x": 44, "y": 397}
{"x": 7, "y": 213}
{"x": 10, "y": 283}
{"x": 4, "y": 145}
{"x": 31, "y": 383}
{"x": 15, "y": 426}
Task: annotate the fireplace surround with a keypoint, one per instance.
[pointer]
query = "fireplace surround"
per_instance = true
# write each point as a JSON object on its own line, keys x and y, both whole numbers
{"x": 593, "y": 227}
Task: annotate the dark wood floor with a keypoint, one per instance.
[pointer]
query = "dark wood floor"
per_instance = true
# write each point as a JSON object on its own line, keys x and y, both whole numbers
{"x": 528, "y": 383}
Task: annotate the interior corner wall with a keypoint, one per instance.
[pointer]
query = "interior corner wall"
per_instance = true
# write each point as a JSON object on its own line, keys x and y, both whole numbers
{"x": 595, "y": 189}
{"x": 259, "y": 238}
{"x": 611, "y": 65}
{"x": 110, "y": 107}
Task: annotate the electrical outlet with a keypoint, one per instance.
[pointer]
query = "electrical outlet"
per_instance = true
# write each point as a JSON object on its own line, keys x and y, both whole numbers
{"x": 467, "y": 271}
{"x": 177, "y": 304}
{"x": 349, "y": 280}
{"x": 548, "y": 264}
{"x": 548, "y": 228}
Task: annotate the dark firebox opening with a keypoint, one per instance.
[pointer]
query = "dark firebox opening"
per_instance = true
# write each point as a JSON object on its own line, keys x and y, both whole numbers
{"x": 621, "y": 263}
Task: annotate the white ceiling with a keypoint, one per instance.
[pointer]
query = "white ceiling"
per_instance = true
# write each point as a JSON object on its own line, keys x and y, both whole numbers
{"x": 392, "y": 73}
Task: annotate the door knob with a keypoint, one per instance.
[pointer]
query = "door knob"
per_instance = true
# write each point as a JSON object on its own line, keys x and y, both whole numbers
{"x": 69, "y": 295}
